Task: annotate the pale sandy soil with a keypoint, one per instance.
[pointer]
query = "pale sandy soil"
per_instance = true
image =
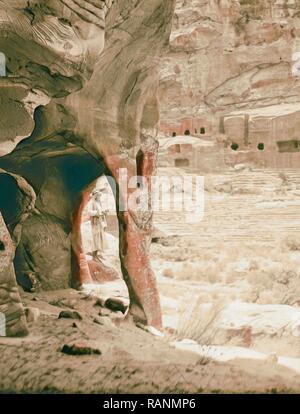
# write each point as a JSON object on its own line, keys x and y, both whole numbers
{"x": 232, "y": 280}
{"x": 230, "y": 295}
{"x": 132, "y": 360}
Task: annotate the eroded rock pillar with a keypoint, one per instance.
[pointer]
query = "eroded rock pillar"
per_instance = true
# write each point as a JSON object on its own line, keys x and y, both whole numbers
{"x": 12, "y": 315}
{"x": 135, "y": 238}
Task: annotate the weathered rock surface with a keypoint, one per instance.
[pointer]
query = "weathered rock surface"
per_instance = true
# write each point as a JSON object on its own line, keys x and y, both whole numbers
{"x": 87, "y": 108}
{"x": 10, "y": 302}
{"x": 227, "y": 55}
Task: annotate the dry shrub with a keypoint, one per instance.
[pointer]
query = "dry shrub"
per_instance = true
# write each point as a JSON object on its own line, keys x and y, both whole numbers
{"x": 198, "y": 324}
{"x": 292, "y": 242}
{"x": 207, "y": 272}
{"x": 281, "y": 286}
{"x": 262, "y": 279}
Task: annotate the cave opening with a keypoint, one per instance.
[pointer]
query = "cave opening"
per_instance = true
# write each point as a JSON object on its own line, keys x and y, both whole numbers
{"x": 96, "y": 235}
{"x": 48, "y": 239}
{"x": 261, "y": 146}
{"x": 289, "y": 146}
{"x": 182, "y": 162}
{"x": 177, "y": 148}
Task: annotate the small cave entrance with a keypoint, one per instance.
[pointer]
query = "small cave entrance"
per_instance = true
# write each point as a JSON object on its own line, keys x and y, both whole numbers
{"x": 234, "y": 146}
{"x": 182, "y": 162}
{"x": 289, "y": 146}
{"x": 95, "y": 234}
{"x": 261, "y": 146}
{"x": 178, "y": 148}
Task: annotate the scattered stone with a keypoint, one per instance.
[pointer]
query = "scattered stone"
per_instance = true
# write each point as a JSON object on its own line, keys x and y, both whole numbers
{"x": 117, "y": 315}
{"x": 30, "y": 282}
{"x": 69, "y": 314}
{"x": 150, "y": 329}
{"x": 100, "y": 302}
{"x": 32, "y": 314}
{"x": 104, "y": 321}
{"x": 116, "y": 304}
{"x": 64, "y": 303}
{"x": 105, "y": 312}
{"x": 80, "y": 348}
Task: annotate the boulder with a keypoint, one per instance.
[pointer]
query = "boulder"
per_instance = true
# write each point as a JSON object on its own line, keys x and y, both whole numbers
{"x": 116, "y": 304}
{"x": 70, "y": 314}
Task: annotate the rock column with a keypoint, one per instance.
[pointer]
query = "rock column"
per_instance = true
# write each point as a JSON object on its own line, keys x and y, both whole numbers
{"x": 12, "y": 315}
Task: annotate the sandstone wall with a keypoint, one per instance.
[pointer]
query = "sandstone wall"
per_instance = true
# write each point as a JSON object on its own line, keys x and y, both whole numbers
{"x": 227, "y": 55}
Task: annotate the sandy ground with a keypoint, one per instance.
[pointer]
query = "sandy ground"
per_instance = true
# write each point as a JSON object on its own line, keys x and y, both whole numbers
{"x": 131, "y": 360}
{"x": 230, "y": 295}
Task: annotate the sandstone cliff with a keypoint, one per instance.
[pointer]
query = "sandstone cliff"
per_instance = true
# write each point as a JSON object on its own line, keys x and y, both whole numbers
{"x": 227, "y": 55}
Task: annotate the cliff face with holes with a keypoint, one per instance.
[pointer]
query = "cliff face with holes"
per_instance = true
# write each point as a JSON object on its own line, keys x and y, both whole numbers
{"x": 228, "y": 55}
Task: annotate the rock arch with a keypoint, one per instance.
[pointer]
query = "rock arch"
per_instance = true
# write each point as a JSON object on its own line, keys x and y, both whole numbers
{"x": 91, "y": 118}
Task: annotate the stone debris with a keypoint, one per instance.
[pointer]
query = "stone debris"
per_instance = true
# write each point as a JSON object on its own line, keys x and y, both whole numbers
{"x": 231, "y": 353}
{"x": 69, "y": 314}
{"x": 80, "y": 348}
{"x": 32, "y": 314}
{"x": 116, "y": 304}
{"x": 105, "y": 312}
{"x": 104, "y": 321}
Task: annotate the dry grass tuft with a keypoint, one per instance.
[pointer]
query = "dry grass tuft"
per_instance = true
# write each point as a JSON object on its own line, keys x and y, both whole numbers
{"x": 197, "y": 322}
